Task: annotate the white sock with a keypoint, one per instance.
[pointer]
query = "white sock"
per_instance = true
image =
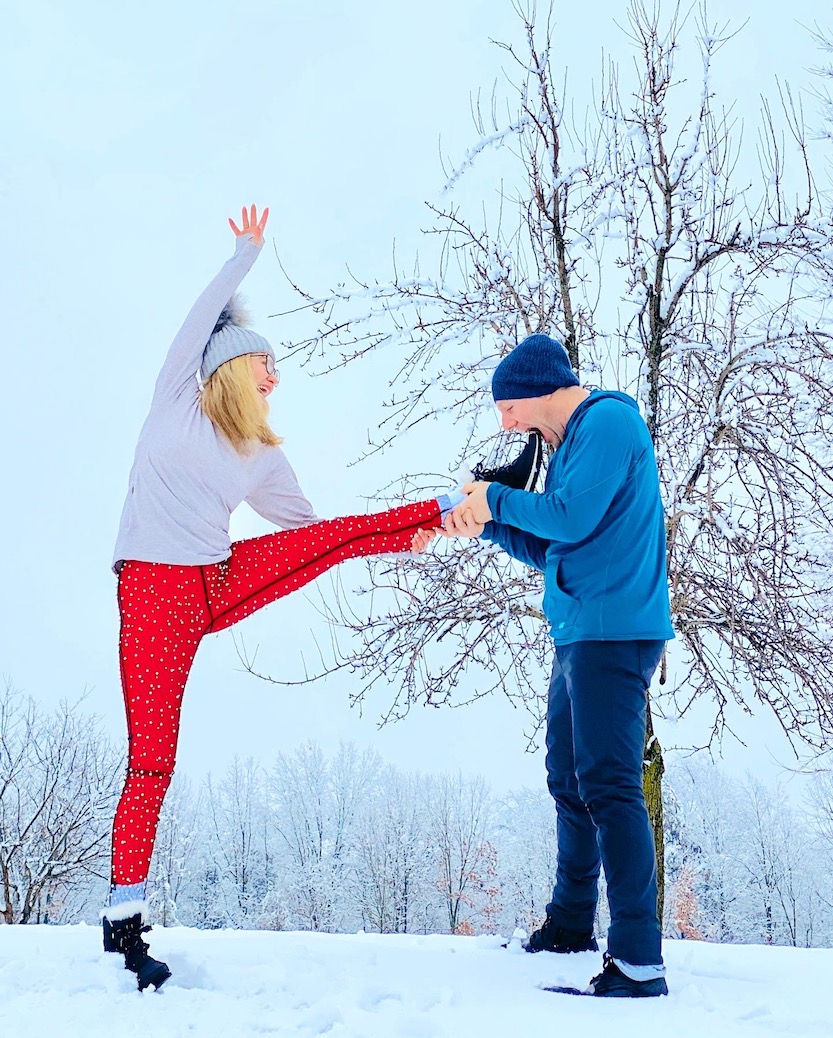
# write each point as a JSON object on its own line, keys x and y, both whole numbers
{"x": 448, "y": 502}
{"x": 641, "y": 973}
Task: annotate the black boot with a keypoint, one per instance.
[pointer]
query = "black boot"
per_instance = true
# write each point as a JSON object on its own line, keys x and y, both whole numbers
{"x": 554, "y": 938}
{"x": 125, "y": 936}
{"x": 519, "y": 474}
{"x": 613, "y": 983}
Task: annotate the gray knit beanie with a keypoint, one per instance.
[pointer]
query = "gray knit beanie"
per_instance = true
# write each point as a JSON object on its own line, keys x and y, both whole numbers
{"x": 231, "y": 338}
{"x": 536, "y": 367}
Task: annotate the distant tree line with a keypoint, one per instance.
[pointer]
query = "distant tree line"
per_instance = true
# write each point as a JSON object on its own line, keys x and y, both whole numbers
{"x": 347, "y": 842}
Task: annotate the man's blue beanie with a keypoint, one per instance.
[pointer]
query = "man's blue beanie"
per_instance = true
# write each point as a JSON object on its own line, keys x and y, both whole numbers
{"x": 536, "y": 367}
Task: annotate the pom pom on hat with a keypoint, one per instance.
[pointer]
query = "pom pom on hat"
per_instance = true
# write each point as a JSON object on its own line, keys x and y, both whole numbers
{"x": 536, "y": 367}
{"x": 234, "y": 312}
{"x": 231, "y": 338}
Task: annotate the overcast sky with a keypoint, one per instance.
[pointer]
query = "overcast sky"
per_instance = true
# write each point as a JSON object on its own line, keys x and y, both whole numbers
{"x": 130, "y": 133}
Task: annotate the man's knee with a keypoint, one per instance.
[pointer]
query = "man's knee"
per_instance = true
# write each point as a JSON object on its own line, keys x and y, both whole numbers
{"x": 603, "y": 794}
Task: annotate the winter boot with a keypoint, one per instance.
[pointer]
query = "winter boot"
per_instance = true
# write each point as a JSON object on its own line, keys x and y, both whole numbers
{"x": 613, "y": 983}
{"x": 554, "y": 938}
{"x": 125, "y": 936}
{"x": 519, "y": 474}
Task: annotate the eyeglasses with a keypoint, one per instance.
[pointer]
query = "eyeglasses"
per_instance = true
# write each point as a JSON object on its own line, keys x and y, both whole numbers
{"x": 270, "y": 366}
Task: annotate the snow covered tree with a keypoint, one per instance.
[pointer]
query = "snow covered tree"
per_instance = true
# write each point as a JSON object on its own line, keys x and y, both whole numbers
{"x": 747, "y": 867}
{"x": 819, "y": 797}
{"x": 820, "y": 800}
{"x": 685, "y": 907}
{"x": 177, "y": 838}
{"x": 710, "y": 839}
{"x": 59, "y": 779}
{"x": 237, "y": 841}
{"x": 525, "y": 834}
{"x": 460, "y": 828}
{"x": 394, "y": 880}
{"x": 775, "y": 860}
{"x": 313, "y": 806}
{"x": 672, "y": 268}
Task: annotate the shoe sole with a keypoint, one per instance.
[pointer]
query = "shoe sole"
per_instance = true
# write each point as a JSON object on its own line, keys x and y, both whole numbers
{"x": 537, "y": 461}
{"x": 155, "y": 978}
{"x": 491, "y": 475}
{"x": 563, "y": 989}
{"x": 562, "y": 951}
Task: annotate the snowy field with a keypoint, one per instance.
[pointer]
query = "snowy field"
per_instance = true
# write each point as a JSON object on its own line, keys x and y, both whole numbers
{"x": 56, "y": 983}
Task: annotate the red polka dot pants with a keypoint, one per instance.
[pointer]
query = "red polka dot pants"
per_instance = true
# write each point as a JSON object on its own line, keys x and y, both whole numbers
{"x": 166, "y": 610}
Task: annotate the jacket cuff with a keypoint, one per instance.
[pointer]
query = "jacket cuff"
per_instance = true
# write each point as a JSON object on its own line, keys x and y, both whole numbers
{"x": 494, "y": 496}
{"x": 489, "y": 531}
{"x": 244, "y": 240}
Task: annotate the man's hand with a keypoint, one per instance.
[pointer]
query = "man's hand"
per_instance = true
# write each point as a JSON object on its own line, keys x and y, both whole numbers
{"x": 469, "y": 518}
{"x": 460, "y": 524}
{"x": 251, "y": 224}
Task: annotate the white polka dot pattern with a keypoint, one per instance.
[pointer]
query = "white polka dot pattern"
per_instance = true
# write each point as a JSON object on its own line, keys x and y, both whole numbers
{"x": 166, "y": 610}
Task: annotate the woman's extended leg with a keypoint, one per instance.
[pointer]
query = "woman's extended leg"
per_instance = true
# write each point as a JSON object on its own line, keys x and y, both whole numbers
{"x": 165, "y": 612}
{"x": 264, "y": 569}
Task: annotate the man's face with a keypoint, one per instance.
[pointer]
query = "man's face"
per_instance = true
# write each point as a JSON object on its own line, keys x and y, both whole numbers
{"x": 537, "y": 412}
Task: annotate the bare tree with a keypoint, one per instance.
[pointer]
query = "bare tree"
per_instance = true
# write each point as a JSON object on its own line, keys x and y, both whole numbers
{"x": 526, "y": 840}
{"x": 461, "y": 810}
{"x": 729, "y": 328}
{"x": 709, "y": 849}
{"x": 747, "y": 867}
{"x": 776, "y": 861}
{"x": 173, "y": 852}
{"x": 314, "y": 804}
{"x": 59, "y": 779}
{"x": 675, "y": 270}
{"x": 393, "y": 854}
{"x": 237, "y": 828}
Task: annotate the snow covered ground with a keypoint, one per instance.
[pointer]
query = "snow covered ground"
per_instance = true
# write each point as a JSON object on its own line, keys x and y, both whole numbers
{"x": 55, "y": 982}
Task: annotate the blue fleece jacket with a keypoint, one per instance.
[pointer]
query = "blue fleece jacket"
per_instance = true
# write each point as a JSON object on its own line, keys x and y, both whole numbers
{"x": 597, "y": 532}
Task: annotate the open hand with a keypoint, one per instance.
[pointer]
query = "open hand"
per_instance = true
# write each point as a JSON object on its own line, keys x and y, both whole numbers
{"x": 251, "y": 224}
{"x": 421, "y": 540}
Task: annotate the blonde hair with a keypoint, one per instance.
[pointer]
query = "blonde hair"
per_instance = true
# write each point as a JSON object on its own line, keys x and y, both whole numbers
{"x": 231, "y": 400}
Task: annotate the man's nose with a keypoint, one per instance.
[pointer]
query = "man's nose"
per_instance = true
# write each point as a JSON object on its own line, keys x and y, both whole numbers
{"x": 506, "y": 422}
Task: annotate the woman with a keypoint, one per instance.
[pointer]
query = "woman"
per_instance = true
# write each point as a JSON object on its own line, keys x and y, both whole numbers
{"x": 203, "y": 449}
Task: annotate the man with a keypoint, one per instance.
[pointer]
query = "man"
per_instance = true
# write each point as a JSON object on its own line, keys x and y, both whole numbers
{"x": 597, "y": 532}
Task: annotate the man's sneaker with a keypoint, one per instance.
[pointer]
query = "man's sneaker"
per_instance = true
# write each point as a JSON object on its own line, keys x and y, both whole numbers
{"x": 519, "y": 474}
{"x": 554, "y": 938}
{"x": 125, "y": 936}
{"x": 613, "y": 983}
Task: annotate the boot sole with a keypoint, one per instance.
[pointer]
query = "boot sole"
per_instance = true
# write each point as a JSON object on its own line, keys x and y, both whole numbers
{"x": 155, "y": 977}
{"x": 559, "y": 989}
{"x": 563, "y": 951}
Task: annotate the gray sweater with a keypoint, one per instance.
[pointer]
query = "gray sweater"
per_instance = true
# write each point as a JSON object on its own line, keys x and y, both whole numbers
{"x": 186, "y": 478}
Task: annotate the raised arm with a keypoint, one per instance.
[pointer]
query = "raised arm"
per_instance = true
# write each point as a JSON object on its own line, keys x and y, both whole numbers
{"x": 185, "y": 353}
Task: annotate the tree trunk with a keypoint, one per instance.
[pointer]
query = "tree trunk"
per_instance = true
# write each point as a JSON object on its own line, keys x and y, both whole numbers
{"x": 654, "y": 768}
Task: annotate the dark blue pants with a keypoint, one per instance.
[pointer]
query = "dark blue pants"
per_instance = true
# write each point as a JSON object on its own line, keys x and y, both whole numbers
{"x": 595, "y": 742}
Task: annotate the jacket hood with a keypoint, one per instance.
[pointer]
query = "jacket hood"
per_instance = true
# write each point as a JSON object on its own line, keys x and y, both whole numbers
{"x": 596, "y": 396}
